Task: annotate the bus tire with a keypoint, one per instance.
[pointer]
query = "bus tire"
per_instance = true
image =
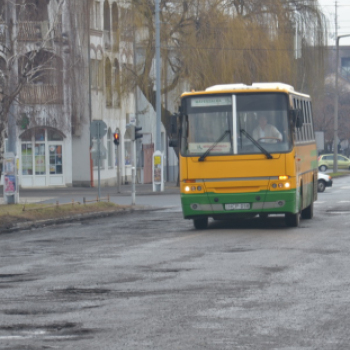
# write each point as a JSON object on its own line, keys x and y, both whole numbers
{"x": 308, "y": 212}
{"x": 292, "y": 220}
{"x": 200, "y": 223}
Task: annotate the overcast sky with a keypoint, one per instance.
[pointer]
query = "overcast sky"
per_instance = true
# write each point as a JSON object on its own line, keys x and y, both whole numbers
{"x": 328, "y": 8}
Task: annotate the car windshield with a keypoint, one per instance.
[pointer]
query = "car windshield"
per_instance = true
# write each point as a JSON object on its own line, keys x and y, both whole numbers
{"x": 235, "y": 124}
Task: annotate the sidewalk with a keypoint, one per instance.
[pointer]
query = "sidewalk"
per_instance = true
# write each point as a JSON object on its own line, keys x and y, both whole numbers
{"x": 77, "y": 194}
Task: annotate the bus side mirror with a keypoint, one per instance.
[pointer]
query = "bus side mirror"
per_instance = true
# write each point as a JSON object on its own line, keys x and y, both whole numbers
{"x": 173, "y": 143}
{"x": 173, "y": 123}
{"x": 297, "y": 117}
{"x": 173, "y": 140}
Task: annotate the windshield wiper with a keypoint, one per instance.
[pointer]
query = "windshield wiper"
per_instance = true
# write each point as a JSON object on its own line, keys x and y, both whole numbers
{"x": 205, "y": 154}
{"x": 257, "y": 144}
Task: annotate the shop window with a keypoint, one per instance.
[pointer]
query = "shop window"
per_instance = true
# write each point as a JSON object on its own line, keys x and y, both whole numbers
{"x": 39, "y": 135}
{"x": 26, "y": 136}
{"x": 55, "y": 160}
{"x": 40, "y": 168}
{"x": 27, "y": 159}
{"x": 41, "y": 152}
{"x": 54, "y": 135}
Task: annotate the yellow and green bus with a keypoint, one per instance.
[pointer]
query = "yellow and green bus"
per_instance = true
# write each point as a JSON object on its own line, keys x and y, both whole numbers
{"x": 228, "y": 172}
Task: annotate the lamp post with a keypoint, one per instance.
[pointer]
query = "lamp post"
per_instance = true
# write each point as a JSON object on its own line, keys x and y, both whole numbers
{"x": 336, "y": 100}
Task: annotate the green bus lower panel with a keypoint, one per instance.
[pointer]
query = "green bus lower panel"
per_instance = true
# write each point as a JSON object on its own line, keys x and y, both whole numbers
{"x": 230, "y": 204}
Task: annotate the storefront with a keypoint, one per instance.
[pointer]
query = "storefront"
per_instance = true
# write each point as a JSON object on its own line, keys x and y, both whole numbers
{"x": 42, "y": 158}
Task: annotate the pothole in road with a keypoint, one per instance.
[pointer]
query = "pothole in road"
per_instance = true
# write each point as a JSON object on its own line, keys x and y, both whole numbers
{"x": 338, "y": 212}
{"x": 238, "y": 250}
{"x": 170, "y": 270}
{"x": 10, "y": 275}
{"x": 54, "y": 331}
{"x": 9, "y": 278}
{"x": 72, "y": 290}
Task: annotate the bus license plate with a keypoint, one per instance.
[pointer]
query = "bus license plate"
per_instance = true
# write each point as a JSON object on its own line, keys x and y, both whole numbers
{"x": 237, "y": 206}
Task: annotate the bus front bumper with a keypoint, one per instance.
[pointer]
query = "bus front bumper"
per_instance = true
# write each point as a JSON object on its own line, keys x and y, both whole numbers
{"x": 238, "y": 204}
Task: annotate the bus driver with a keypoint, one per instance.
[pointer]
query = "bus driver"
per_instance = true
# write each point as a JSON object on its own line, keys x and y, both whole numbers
{"x": 265, "y": 130}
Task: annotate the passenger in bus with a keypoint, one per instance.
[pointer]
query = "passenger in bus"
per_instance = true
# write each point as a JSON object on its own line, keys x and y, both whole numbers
{"x": 265, "y": 131}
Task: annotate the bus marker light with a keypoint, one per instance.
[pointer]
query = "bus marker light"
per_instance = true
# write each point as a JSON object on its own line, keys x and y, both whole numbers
{"x": 283, "y": 177}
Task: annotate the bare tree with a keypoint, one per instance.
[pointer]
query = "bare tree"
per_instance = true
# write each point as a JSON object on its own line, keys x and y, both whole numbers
{"x": 209, "y": 42}
{"x": 324, "y": 113}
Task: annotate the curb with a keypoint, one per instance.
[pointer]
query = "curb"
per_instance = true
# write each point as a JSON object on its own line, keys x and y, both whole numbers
{"x": 29, "y": 225}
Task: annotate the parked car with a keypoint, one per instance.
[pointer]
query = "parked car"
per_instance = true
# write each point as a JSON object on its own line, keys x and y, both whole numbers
{"x": 325, "y": 161}
{"x": 323, "y": 181}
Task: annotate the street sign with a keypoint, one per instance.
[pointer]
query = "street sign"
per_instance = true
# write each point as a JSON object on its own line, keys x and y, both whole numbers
{"x": 98, "y": 152}
{"x": 98, "y": 129}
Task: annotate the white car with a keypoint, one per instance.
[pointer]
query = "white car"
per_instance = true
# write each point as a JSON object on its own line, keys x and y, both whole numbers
{"x": 323, "y": 181}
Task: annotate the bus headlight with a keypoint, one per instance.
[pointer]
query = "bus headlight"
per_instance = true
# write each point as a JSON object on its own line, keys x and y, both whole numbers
{"x": 191, "y": 187}
{"x": 281, "y": 185}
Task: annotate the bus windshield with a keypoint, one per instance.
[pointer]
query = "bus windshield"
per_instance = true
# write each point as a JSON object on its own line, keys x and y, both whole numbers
{"x": 229, "y": 124}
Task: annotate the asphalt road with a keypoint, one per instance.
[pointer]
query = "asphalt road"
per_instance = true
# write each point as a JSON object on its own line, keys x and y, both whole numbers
{"x": 148, "y": 280}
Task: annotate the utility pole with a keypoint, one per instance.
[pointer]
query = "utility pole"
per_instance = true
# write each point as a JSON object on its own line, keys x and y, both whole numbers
{"x": 158, "y": 86}
{"x": 336, "y": 102}
{"x": 336, "y": 21}
{"x": 13, "y": 81}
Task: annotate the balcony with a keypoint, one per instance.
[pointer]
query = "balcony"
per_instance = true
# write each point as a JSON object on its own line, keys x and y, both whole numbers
{"x": 41, "y": 94}
{"x": 36, "y": 31}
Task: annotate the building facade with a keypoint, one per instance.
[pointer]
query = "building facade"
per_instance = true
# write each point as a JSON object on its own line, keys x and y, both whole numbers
{"x": 70, "y": 56}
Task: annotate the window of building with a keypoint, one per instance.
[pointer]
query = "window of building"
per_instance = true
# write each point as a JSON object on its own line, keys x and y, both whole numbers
{"x": 128, "y": 152}
{"x": 94, "y": 73}
{"x": 41, "y": 152}
{"x": 115, "y": 24}
{"x": 108, "y": 80}
{"x": 55, "y": 159}
{"x": 117, "y": 83}
{"x": 100, "y": 74}
{"x": 27, "y": 158}
{"x": 97, "y": 24}
{"x": 345, "y": 66}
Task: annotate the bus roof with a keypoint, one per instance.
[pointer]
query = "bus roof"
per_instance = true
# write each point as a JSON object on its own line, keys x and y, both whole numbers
{"x": 254, "y": 86}
{"x": 272, "y": 86}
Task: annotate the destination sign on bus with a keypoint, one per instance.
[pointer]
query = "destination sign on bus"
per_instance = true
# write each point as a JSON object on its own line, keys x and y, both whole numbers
{"x": 211, "y": 101}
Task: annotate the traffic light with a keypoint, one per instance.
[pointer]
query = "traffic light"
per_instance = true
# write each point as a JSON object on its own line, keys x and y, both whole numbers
{"x": 116, "y": 138}
{"x": 137, "y": 135}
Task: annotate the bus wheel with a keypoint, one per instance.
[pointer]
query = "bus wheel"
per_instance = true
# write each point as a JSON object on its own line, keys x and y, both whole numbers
{"x": 200, "y": 223}
{"x": 292, "y": 220}
{"x": 308, "y": 212}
